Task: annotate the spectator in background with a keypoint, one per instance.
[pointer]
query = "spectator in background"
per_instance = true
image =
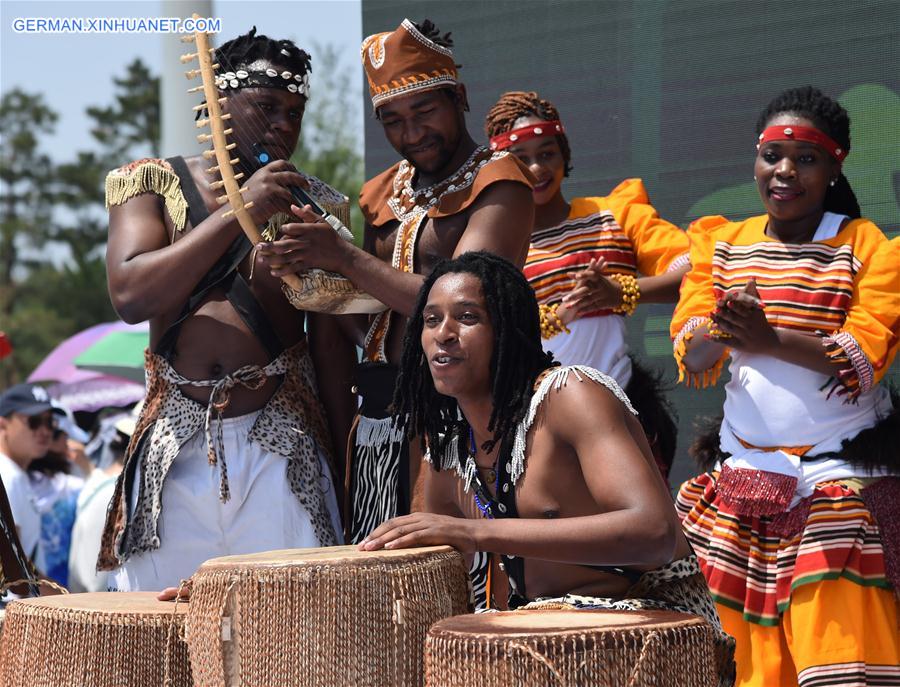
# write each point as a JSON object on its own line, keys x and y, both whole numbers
{"x": 91, "y": 512}
{"x": 56, "y": 489}
{"x": 27, "y": 421}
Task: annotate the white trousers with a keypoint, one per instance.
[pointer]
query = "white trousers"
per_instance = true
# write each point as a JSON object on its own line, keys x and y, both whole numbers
{"x": 194, "y": 525}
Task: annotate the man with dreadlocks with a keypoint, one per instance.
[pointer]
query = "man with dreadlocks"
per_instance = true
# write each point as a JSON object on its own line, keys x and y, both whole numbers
{"x": 448, "y": 195}
{"x": 585, "y": 259}
{"x": 523, "y": 454}
{"x": 229, "y": 375}
{"x": 796, "y": 523}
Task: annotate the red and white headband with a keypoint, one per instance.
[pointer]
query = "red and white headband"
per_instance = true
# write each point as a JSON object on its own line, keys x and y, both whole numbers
{"x": 803, "y": 133}
{"x": 553, "y": 127}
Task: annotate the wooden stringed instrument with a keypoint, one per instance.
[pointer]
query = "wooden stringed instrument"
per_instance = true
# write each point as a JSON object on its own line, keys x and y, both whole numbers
{"x": 314, "y": 290}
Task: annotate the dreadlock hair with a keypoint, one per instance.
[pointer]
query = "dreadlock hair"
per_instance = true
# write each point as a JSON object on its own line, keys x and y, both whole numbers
{"x": 828, "y": 115}
{"x": 516, "y": 361}
{"x": 427, "y": 28}
{"x": 250, "y": 47}
{"x": 514, "y": 105}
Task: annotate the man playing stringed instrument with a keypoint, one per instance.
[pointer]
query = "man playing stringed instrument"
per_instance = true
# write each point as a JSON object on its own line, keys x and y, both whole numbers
{"x": 232, "y": 452}
{"x": 447, "y": 196}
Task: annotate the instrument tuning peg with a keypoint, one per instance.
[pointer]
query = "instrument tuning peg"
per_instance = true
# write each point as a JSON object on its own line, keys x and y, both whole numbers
{"x": 223, "y": 100}
{"x": 204, "y": 138}
{"x": 188, "y": 39}
{"x": 221, "y": 200}
{"x": 232, "y": 162}
{"x": 192, "y": 74}
{"x": 216, "y": 65}
{"x": 197, "y": 108}
{"x": 216, "y": 185}
{"x": 231, "y": 146}
{"x": 188, "y": 57}
{"x": 209, "y": 154}
{"x": 195, "y": 89}
{"x": 228, "y": 132}
{"x": 202, "y": 123}
{"x": 227, "y": 115}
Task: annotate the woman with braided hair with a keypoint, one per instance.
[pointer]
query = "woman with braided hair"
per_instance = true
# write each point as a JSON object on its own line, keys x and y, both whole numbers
{"x": 796, "y": 523}
{"x": 585, "y": 259}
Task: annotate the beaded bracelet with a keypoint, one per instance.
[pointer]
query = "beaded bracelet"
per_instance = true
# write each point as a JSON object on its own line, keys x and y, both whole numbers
{"x": 713, "y": 330}
{"x": 551, "y": 325}
{"x": 631, "y": 293}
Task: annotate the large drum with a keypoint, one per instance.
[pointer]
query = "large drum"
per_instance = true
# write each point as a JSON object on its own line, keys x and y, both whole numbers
{"x": 328, "y": 616}
{"x": 567, "y": 648}
{"x": 99, "y": 639}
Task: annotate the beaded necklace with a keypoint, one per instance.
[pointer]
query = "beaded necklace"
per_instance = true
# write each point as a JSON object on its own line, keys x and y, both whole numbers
{"x": 483, "y": 499}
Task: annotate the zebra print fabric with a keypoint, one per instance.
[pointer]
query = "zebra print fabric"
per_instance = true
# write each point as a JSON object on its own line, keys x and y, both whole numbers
{"x": 375, "y": 475}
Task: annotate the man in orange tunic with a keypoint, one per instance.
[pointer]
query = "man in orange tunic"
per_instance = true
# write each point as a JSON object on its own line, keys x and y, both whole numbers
{"x": 448, "y": 195}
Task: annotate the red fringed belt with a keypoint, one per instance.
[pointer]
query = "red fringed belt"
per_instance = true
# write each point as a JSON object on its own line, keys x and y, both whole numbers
{"x": 755, "y": 493}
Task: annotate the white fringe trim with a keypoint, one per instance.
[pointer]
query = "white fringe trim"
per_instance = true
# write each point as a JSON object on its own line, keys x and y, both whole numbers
{"x": 371, "y": 433}
{"x": 557, "y": 379}
{"x": 452, "y": 461}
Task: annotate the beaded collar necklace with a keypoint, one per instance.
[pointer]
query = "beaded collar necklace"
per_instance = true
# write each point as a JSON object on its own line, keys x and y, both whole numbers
{"x": 483, "y": 499}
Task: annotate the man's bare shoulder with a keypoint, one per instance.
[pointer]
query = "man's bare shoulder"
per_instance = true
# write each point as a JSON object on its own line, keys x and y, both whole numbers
{"x": 579, "y": 397}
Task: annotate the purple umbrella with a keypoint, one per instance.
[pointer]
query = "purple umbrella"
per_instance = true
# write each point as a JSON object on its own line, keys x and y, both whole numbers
{"x": 80, "y": 389}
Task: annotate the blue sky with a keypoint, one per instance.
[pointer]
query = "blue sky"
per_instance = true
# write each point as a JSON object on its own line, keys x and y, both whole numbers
{"x": 74, "y": 71}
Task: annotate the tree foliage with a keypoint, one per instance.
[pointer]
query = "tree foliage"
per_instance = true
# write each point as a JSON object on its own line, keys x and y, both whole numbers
{"x": 25, "y": 177}
{"x": 53, "y": 222}
{"x": 53, "y": 226}
{"x": 330, "y": 147}
{"x": 132, "y": 121}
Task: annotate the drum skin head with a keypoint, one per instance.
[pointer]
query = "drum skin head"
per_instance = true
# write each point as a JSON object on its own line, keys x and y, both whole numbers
{"x": 317, "y": 556}
{"x": 540, "y": 622}
{"x": 132, "y": 603}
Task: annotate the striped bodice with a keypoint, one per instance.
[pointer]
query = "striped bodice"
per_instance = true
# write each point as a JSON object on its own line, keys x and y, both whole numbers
{"x": 805, "y": 287}
{"x": 571, "y": 245}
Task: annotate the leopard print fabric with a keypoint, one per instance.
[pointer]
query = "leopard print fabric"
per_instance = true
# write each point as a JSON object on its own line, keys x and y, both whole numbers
{"x": 290, "y": 425}
{"x": 676, "y": 586}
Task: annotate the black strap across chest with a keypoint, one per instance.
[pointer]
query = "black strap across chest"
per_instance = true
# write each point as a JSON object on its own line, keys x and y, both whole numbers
{"x": 225, "y": 275}
{"x": 503, "y": 505}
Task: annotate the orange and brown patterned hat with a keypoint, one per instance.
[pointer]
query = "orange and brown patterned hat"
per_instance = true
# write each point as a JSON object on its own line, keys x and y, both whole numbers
{"x": 404, "y": 61}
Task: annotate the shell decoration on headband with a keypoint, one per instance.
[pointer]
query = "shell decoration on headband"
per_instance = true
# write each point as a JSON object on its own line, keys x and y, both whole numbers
{"x": 263, "y": 74}
{"x": 313, "y": 289}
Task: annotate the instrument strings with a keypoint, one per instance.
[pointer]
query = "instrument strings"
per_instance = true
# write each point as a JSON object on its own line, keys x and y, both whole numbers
{"x": 256, "y": 122}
